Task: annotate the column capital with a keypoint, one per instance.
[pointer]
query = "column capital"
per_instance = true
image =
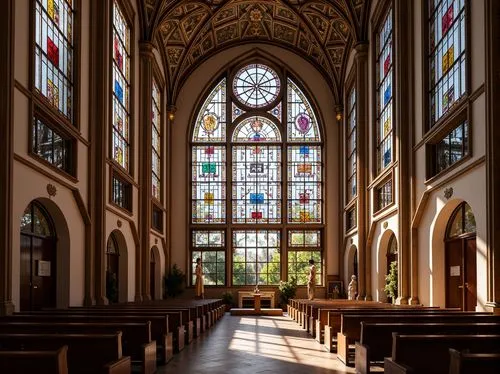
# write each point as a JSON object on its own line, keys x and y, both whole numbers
{"x": 146, "y": 48}
{"x": 361, "y": 49}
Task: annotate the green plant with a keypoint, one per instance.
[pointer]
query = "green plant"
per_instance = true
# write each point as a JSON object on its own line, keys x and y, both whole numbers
{"x": 391, "y": 281}
{"x": 174, "y": 281}
{"x": 227, "y": 298}
{"x": 287, "y": 291}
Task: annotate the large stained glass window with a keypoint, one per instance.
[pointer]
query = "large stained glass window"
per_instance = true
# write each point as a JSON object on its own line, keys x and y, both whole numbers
{"x": 351, "y": 167}
{"x": 453, "y": 147}
{"x": 304, "y": 245}
{"x": 447, "y": 22}
{"x": 256, "y": 257}
{"x": 156, "y": 141}
{"x": 385, "y": 92}
{"x": 249, "y": 144}
{"x": 54, "y": 53}
{"x": 121, "y": 88}
{"x": 209, "y": 247}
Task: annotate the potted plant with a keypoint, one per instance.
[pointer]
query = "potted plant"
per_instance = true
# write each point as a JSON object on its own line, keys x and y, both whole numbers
{"x": 227, "y": 298}
{"x": 174, "y": 282}
{"x": 391, "y": 282}
{"x": 287, "y": 291}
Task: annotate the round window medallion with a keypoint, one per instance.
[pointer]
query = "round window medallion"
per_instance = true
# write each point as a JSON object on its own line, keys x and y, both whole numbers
{"x": 256, "y": 85}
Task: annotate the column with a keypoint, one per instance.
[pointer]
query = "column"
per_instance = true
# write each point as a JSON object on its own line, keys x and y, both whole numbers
{"x": 492, "y": 151}
{"x": 145, "y": 146}
{"x": 403, "y": 133}
{"x": 95, "y": 266}
{"x": 364, "y": 254}
{"x": 6, "y": 154}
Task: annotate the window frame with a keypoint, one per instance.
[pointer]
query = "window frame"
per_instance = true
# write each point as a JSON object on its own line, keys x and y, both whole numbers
{"x": 377, "y": 208}
{"x": 158, "y": 77}
{"x": 117, "y": 174}
{"x": 352, "y": 87}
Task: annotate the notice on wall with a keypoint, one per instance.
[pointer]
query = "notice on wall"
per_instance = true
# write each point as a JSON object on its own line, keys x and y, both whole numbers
{"x": 43, "y": 268}
{"x": 455, "y": 271}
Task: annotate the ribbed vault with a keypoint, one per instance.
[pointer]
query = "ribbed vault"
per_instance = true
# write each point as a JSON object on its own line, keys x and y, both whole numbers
{"x": 188, "y": 32}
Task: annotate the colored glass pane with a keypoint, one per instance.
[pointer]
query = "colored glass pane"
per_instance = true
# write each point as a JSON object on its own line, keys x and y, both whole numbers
{"x": 121, "y": 88}
{"x": 54, "y": 53}
{"x": 301, "y": 120}
{"x": 351, "y": 146}
{"x": 156, "y": 141}
{"x": 447, "y": 57}
{"x": 256, "y": 85}
{"x": 384, "y": 93}
{"x": 211, "y": 121}
{"x": 256, "y": 129}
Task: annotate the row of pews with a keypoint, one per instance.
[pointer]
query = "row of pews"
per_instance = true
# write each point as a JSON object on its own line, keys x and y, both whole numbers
{"x": 406, "y": 339}
{"x": 113, "y": 339}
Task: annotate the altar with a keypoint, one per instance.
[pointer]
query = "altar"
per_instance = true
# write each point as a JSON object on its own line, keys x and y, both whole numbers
{"x": 256, "y": 298}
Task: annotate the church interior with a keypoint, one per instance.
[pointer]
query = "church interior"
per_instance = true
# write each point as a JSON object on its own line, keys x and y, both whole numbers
{"x": 312, "y": 165}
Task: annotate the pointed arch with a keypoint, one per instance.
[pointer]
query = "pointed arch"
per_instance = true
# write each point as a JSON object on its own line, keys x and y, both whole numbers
{"x": 211, "y": 121}
{"x": 301, "y": 119}
{"x": 256, "y": 129}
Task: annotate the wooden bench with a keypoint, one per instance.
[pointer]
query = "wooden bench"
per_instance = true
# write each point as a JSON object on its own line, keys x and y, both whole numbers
{"x": 40, "y": 362}
{"x": 159, "y": 326}
{"x": 376, "y": 338}
{"x": 472, "y": 363}
{"x": 351, "y": 324}
{"x": 136, "y": 337}
{"x": 87, "y": 353}
{"x": 429, "y": 354}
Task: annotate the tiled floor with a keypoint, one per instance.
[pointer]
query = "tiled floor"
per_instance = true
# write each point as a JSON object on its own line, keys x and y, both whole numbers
{"x": 252, "y": 345}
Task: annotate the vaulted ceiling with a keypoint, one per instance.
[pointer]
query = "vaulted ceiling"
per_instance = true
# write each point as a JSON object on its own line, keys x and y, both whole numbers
{"x": 187, "y": 32}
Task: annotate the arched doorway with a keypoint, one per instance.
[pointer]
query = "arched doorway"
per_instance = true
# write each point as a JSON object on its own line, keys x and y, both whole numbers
{"x": 112, "y": 269}
{"x": 351, "y": 264}
{"x": 392, "y": 257}
{"x": 152, "y": 275}
{"x": 38, "y": 272}
{"x": 460, "y": 259}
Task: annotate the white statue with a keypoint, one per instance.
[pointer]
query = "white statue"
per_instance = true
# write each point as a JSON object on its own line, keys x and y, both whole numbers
{"x": 352, "y": 290}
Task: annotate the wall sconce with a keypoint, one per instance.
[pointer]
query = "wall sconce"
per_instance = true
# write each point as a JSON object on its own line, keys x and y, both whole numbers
{"x": 171, "y": 112}
{"x": 338, "y": 111}
{"x": 171, "y": 116}
{"x": 338, "y": 117}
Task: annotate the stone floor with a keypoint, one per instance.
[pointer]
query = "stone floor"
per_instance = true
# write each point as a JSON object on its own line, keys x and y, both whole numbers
{"x": 241, "y": 345}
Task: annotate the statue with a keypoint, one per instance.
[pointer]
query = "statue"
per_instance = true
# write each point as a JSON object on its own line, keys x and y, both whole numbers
{"x": 352, "y": 290}
{"x": 256, "y": 289}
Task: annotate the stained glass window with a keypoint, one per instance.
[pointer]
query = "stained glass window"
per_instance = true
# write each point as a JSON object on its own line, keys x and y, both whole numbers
{"x": 385, "y": 93}
{"x": 256, "y": 257}
{"x": 256, "y": 85}
{"x": 447, "y": 55}
{"x": 351, "y": 171}
{"x": 121, "y": 88}
{"x": 209, "y": 247}
{"x": 267, "y": 138}
{"x": 304, "y": 184}
{"x": 304, "y": 245}
{"x": 351, "y": 218}
{"x": 462, "y": 221}
{"x": 301, "y": 120}
{"x": 52, "y": 147}
{"x": 211, "y": 121}
{"x": 452, "y": 148}
{"x": 54, "y": 53}
{"x": 209, "y": 184}
{"x": 256, "y": 192}
{"x": 384, "y": 195}
{"x": 121, "y": 193}
{"x": 156, "y": 142}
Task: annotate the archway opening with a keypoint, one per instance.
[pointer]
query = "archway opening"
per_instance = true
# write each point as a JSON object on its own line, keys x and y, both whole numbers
{"x": 392, "y": 263}
{"x": 460, "y": 259}
{"x": 38, "y": 270}
{"x": 112, "y": 269}
{"x": 155, "y": 274}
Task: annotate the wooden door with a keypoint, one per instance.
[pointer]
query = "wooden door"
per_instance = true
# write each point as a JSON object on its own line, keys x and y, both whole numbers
{"x": 152, "y": 278}
{"x": 461, "y": 280}
{"x": 470, "y": 289}
{"x": 25, "y": 273}
{"x": 113, "y": 281}
{"x": 454, "y": 274}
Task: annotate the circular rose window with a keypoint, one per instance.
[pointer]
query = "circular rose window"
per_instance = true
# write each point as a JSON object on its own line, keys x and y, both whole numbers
{"x": 256, "y": 86}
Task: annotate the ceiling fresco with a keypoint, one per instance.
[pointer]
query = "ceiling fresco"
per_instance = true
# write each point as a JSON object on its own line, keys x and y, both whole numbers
{"x": 188, "y": 32}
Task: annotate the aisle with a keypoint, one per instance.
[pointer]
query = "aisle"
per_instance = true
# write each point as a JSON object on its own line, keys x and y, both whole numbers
{"x": 251, "y": 345}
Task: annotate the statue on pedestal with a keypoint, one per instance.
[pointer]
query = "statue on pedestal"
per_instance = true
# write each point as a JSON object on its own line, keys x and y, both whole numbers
{"x": 352, "y": 290}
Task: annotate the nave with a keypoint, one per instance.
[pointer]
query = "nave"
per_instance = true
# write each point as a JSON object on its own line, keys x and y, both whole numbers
{"x": 250, "y": 344}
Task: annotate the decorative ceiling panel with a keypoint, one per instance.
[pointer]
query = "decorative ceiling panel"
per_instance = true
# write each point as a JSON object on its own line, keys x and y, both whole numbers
{"x": 189, "y": 31}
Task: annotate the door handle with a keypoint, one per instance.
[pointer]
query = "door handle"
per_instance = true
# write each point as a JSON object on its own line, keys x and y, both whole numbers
{"x": 460, "y": 286}
{"x": 35, "y": 286}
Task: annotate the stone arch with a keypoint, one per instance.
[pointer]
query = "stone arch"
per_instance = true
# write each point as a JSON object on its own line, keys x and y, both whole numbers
{"x": 383, "y": 248}
{"x": 351, "y": 255}
{"x": 122, "y": 265}
{"x": 62, "y": 247}
{"x": 155, "y": 272}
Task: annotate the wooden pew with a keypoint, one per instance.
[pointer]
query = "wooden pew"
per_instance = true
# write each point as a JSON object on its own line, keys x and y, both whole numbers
{"x": 87, "y": 353}
{"x": 472, "y": 363}
{"x": 136, "y": 337}
{"x": 351, "y": 324}
{"x": 159, "y": 326}
{"x": 40, "y": 362}
{"x": 429, "y": 354}
{"x": 376, "y": 338}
